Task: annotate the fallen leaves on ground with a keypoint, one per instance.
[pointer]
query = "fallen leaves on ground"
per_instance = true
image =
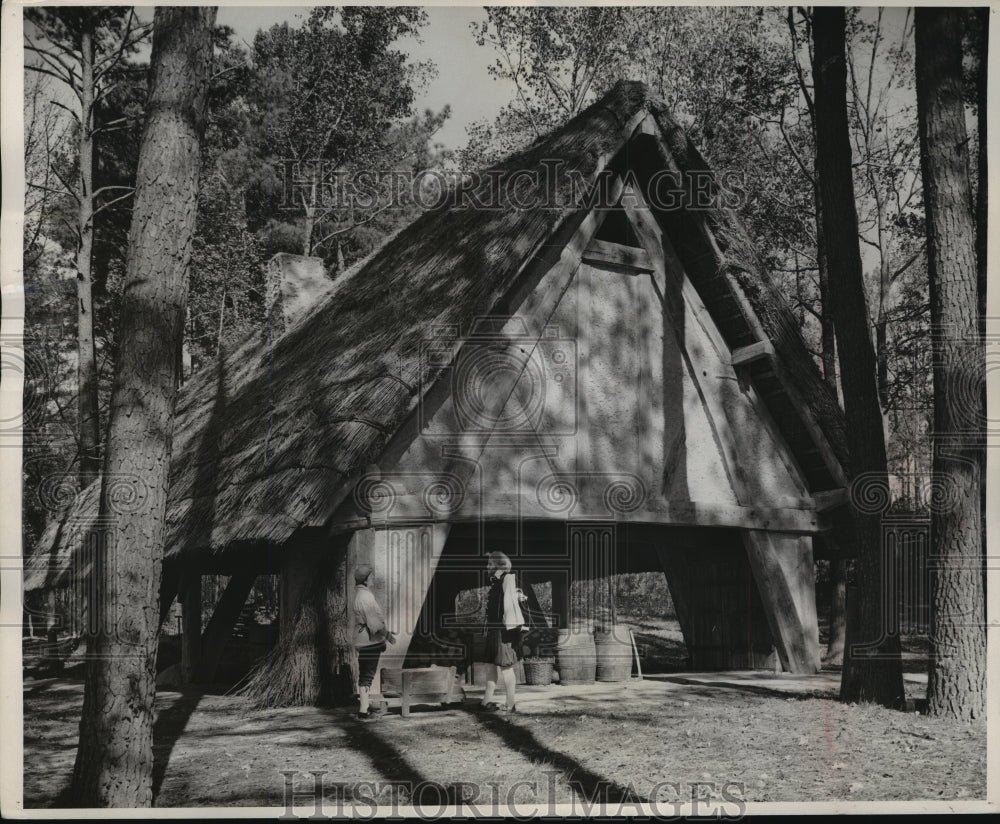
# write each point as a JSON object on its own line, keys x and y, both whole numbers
{"x": 211, "y": 752}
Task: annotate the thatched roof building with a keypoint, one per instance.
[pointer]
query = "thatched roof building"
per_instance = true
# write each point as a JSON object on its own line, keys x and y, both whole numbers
{"x": 275, "y": 437}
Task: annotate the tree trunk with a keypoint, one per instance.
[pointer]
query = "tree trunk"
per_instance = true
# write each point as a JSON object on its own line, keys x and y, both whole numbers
{"x": 310, "y": 219}
{"x": 882, "y": 320}
{"x": 882, "y": 356}
{"x": 983, "y": 14}
{"x": 829, "y": 353}
{"x": 957, "y": 683}
{"x": 874, "y": 673}
{"x": 114, "y": 760}
{"x": 838, "y": 568}
{"x": 89, "y": 422}
{"x": 982, "y": 229}
{"x": 838, "y": 613}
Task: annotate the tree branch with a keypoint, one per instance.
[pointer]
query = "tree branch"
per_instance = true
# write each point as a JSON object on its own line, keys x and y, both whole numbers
{"x": 127, "y": 42}
{"x": 912, "y": 259}
{"x": 55, "y": 61}
{"x": 368, "y": 219}
{"x": 111, "y": 203}
{"x": 798, "y": 68}
{"x": 71, "y": 189}
{"x": 50, "y": 73}
{"x": 798, "y": 158}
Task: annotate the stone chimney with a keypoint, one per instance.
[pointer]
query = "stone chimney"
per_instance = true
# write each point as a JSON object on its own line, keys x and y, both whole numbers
{"x": 294, "y": 284}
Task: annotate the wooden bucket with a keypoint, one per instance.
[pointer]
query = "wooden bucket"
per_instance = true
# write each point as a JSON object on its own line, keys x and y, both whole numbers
{"x": 614, "y": 654}
{"x": 576, "y": 655}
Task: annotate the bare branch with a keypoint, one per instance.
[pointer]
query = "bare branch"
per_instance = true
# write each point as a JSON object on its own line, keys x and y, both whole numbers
{"x": 798, "y": 158}
{"x": 50, "y": 73}
{"x": 229, "y": 69}
{"x": 798, "y": 68}
{"x": 368, "y": 219}
{"x": 113, "y": 188}
{"x": 912, "y": 259}
{"x": 75, "y": 116}
{"x": 43, "y": 188}
{"x": 71, "y": 189}
{"x": 55, "y": 61}
{"x": 111, "y": 203}
{"x": 74, "y": 229}
{"x": 128, "y": 40}
{"x": 114, "y": 125}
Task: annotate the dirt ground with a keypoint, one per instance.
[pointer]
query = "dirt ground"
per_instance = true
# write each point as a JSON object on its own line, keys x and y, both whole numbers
{"x": 750, "y": 737}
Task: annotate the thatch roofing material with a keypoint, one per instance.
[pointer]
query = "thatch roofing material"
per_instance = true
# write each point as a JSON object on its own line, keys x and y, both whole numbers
{"x": 267, "y": 440}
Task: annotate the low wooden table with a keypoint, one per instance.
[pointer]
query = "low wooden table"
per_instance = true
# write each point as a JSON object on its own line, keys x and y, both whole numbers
{"x": 427, "y": 685}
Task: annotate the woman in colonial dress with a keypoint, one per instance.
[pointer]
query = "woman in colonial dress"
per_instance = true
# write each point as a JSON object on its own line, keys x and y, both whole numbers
{"x": 505, "y": 628}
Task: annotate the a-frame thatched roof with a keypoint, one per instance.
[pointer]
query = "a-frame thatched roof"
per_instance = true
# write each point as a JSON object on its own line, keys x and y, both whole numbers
{"x": 270, "y": 439}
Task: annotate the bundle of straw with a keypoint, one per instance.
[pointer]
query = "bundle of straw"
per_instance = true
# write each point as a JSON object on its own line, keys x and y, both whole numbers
{"x": 312, "y": 661}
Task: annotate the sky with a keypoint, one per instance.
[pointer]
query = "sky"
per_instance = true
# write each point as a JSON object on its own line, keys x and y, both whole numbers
{"x": 463, "y": 80}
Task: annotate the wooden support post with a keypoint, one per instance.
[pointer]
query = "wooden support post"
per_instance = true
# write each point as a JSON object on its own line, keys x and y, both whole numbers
{"x": 220, "y": 625}
{"x": 190, "y": 623}
{"x": 782, "y": 566}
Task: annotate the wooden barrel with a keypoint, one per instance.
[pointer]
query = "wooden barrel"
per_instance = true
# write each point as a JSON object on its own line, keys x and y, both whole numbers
{"x": 614, "y": 655}
{"x": 576, "y": 656}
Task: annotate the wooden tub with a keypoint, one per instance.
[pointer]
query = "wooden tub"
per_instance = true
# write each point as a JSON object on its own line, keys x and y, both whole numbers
{"x": 426, "y": 685}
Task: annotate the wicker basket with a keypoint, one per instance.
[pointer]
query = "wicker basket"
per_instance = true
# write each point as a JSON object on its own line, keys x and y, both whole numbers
{"x": 537, "y": 673}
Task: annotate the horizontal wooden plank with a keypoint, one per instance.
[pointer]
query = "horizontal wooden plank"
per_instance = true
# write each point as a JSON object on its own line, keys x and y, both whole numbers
{"x": 420, "y": 681}
{"x": 755, "y": 351}
{"x": 409, "y": 509}
{"x": 617, "y": 256}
